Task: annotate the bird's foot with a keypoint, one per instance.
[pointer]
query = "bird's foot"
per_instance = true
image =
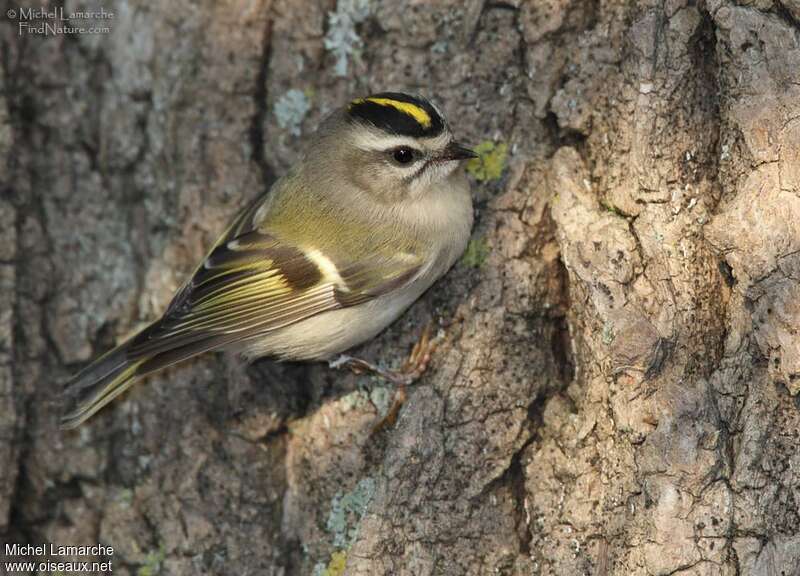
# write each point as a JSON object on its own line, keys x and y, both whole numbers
{"x": 410, "y": 371}
{"x": 415, "y": 366}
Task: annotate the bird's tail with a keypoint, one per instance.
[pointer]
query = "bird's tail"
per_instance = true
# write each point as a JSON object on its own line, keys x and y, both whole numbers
{"x": 98, "y": 384}
{"x": 153, "y": 349}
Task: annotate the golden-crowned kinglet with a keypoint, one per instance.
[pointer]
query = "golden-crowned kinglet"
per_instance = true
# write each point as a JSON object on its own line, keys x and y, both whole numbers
{"x": 373, "y": 213}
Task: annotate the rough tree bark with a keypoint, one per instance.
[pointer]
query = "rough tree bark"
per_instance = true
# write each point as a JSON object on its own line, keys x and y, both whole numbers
{"x": 616, "y": 392}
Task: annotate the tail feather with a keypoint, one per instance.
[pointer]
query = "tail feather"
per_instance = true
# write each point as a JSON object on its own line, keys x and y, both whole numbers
{"x": 113, "y": 373}
{"x": 88, "y": 397}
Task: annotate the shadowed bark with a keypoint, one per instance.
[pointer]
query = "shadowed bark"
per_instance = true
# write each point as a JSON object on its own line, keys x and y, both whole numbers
{"x": 616, "y": 393}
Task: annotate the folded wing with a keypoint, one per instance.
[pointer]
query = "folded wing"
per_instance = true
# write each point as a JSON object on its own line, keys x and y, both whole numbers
{"x": 249, "y": 285}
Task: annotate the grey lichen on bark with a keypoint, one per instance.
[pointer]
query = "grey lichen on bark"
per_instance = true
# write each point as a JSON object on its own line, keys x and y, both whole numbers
{"x": 616, "y": 390}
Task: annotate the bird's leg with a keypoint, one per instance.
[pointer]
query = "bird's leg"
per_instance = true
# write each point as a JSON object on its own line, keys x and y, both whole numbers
{"x": 360, "y": 366}
{"x": 410, "y": 371}
{"x": 414, "y": 367}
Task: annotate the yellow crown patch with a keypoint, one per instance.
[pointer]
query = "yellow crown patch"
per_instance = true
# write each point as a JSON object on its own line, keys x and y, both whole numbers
{"x": 417, "y": 113}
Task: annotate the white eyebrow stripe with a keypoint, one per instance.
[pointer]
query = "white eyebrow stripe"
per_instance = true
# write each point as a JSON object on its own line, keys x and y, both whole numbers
{"x": 373, "y": 140}
{"x": 368, "y": 140}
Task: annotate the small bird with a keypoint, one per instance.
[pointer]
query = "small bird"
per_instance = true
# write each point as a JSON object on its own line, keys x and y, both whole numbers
{"x": 373, "y": 213}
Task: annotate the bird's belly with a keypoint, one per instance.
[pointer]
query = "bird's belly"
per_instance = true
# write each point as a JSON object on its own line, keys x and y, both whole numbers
{"x": 324, "y": 335}
{"x": 329, "y": 333}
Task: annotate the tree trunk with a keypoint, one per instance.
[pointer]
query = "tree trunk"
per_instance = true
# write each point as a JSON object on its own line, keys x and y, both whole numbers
{"x": 615, "y": 394}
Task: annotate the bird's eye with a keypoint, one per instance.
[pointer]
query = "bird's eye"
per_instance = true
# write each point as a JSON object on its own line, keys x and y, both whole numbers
{"x": 403, "y": 155}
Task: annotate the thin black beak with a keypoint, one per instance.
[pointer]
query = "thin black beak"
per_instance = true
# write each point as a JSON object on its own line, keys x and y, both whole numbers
{"x": 455, "y": 151}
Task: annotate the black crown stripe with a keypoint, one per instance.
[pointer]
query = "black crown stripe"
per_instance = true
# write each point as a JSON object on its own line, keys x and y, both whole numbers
{"x": 398, "y": 113}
